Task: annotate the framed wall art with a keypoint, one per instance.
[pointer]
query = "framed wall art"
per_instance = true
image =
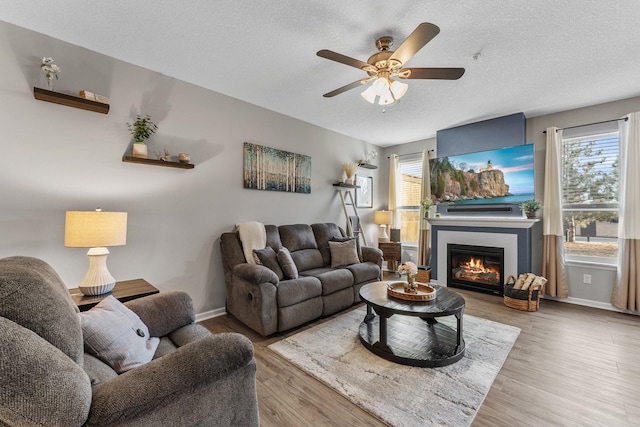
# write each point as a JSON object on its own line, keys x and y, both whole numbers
{"x": 364, "y": 194}
{"x": 271, "y": 169}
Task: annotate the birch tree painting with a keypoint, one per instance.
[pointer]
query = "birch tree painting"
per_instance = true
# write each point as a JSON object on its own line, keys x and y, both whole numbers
{"x": 276, "y": 170}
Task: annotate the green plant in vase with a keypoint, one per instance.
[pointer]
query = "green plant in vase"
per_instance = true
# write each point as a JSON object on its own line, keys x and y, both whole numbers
{"x": 141, "y": 130}
{"x": 530, "y": 207}
{"x": 426, "y": 204}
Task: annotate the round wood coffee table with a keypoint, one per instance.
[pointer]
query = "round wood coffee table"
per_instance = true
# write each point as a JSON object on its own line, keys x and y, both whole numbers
{"x": 414, "y": 337}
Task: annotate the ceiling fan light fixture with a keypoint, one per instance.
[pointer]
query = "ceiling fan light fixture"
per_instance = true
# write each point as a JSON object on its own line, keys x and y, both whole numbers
{"x": 369, "y": 95}
{"x": 398, "y": 89}
{"x": 380, "y": 86}
{"x": 386, "y": 99}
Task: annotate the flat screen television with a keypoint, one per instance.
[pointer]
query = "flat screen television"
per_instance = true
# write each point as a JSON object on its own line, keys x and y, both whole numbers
{"x": 504, "y": 175}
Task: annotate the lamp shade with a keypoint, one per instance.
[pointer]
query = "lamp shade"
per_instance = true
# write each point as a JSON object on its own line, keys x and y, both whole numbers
{"x": 88, "y": 229}
{"x": 382, "y": 217}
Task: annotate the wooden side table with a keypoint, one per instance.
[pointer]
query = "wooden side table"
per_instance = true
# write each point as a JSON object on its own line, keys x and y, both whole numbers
{"x": 392, "y": 253}
{"x": 123, "y": 291}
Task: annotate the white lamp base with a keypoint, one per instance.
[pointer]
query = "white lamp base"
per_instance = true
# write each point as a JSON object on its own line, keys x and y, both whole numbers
{"x": 382, "y": 236}
{"x": 98, "y": 280}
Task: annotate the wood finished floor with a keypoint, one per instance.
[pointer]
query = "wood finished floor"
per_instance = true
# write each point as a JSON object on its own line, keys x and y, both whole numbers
{"x": 571, "y": 366}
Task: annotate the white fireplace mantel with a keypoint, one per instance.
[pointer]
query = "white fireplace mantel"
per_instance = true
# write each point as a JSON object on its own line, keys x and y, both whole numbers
{"x": 482, "y": 221}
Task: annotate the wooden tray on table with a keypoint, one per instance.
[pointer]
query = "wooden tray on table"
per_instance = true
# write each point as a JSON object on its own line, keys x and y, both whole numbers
{"x": 423, "y": 293}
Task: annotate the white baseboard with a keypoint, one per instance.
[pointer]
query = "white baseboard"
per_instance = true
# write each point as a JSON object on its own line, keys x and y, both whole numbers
{"x": 210, "y": 314}
{"x": 590, "y": 303}
{"x": 583, "y": 302}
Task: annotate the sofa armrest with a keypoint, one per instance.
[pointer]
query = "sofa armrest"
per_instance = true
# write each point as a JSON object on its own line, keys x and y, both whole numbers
{"x": 165, "y": 312}
{"x": 252, "y": 297}
{"x": 255, "y": 274}
{"x": 137, "y": 396}
{"x": 371, "y": 254}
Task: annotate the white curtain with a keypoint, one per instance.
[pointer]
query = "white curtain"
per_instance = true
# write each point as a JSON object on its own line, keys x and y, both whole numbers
{"x": 424, "y": 238}
{"x": 626, "y": 290}
{"x": 394, "y": 188}
{"x": 553, "y": 266}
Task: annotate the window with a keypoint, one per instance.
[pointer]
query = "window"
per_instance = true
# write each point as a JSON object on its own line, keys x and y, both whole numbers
{"x": 590, "y": 156}
{"x": 408, "y": 207}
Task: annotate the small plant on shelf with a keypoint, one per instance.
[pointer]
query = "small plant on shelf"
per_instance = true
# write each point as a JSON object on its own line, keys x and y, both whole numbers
{"x": 141, "y": 130}
{"x": 427, "y": 204}
{"x": 530, "y": 207}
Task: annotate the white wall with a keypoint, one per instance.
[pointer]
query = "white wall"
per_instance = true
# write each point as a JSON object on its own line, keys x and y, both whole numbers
{"x": 58, "y": 158}
{"x": 598, "y": 293}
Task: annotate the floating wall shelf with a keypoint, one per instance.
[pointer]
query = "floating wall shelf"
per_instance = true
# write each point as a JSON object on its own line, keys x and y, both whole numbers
{"x": 69, "y": 100}
{"x": 367, "y": 166}
{"x": 130, "y": 159}
{"x": 343, "y": 185}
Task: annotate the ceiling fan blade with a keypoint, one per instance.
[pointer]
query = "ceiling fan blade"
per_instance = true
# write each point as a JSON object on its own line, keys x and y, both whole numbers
{"x": 328, "y": 54}
{"x": 345, "y": 88}
{"x": 422, "y": 35}
{"x": 432, "y": 73}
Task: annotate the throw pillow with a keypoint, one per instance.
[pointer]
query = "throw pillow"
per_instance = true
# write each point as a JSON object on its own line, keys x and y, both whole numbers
{"x": 286, "y": 262}
{"x": 343, "y": 253}
{"x": 269, "y": 259}
{"x": 344, "y": 239}
{"x": 116, "y": 335}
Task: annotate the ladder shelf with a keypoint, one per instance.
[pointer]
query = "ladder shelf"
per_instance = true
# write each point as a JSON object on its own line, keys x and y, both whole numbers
{"x": 346, "y": 197}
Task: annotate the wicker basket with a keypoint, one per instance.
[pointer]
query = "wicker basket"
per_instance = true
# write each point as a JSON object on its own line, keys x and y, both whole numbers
{"x": 525, "y": 300}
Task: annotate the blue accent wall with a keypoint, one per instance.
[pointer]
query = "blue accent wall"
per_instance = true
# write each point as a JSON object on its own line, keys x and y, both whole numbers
{"x": 501, "y": 132}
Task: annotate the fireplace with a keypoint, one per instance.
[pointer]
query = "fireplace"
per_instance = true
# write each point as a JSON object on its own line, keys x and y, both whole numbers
{"x": 478, "y": 268}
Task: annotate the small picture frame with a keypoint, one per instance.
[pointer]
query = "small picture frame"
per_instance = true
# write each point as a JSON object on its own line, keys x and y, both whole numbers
{"x": 364, "y": 191}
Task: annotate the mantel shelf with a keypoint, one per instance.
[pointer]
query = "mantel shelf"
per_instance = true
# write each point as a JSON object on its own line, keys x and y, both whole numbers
{"x": 131, "y": 159}
{"x": 69, "y": 100}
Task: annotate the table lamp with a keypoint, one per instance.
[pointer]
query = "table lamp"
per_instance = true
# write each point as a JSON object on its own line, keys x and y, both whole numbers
{"x": 382, "y": 218}
{"x": 96, "y": 230}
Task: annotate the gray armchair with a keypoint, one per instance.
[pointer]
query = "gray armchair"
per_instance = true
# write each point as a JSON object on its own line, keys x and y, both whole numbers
{"x": 195, "y": 379}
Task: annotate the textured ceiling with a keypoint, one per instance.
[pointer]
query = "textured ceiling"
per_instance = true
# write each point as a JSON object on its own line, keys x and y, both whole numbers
{"x": 537, "y": 57}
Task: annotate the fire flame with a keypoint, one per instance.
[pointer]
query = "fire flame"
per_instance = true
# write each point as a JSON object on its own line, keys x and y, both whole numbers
{"x": 477, "y": 266}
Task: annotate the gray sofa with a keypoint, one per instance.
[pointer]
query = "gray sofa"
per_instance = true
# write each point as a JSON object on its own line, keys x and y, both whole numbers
{"x": 195, "y": 378}
{"x": 265, "y": 301}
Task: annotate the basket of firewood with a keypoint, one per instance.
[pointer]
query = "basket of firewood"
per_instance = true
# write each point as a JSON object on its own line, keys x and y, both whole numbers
{"x": 524, "y": 293}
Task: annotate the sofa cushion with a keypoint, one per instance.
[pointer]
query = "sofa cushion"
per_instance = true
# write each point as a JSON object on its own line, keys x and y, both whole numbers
{"x": 325, "y": 232}
{"x": 364, "y": 272}
{"x": 269, "y": 259}
{"x": 306, "y": 259}
{"x": 40, "y": 385}
{"x": 273, "y": 237}
{"x": 117, "y": 336}
{"x": 294, "y": 291}
{"x": 343, "y": 253}
{"x": 335, "y": 280}
{"x": 33, "y": 295}
{"x": 286, "y": 262}
{"x": 297, "y": 237}
{"x": 301, "y": 242}
{"x": 98, "y": 371}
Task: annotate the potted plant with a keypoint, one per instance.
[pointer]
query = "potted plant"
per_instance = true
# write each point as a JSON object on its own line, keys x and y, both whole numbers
{"x": 141, "y": 130}
{"x": 530, "y": 207}
{"x": 427, "y": 204}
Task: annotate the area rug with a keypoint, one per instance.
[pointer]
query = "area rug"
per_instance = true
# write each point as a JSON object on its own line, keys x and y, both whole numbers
{"x": 396, "y": 394}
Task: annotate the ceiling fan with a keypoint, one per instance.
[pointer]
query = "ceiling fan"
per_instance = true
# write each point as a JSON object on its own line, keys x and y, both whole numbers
{"x": 386, "y": 64}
